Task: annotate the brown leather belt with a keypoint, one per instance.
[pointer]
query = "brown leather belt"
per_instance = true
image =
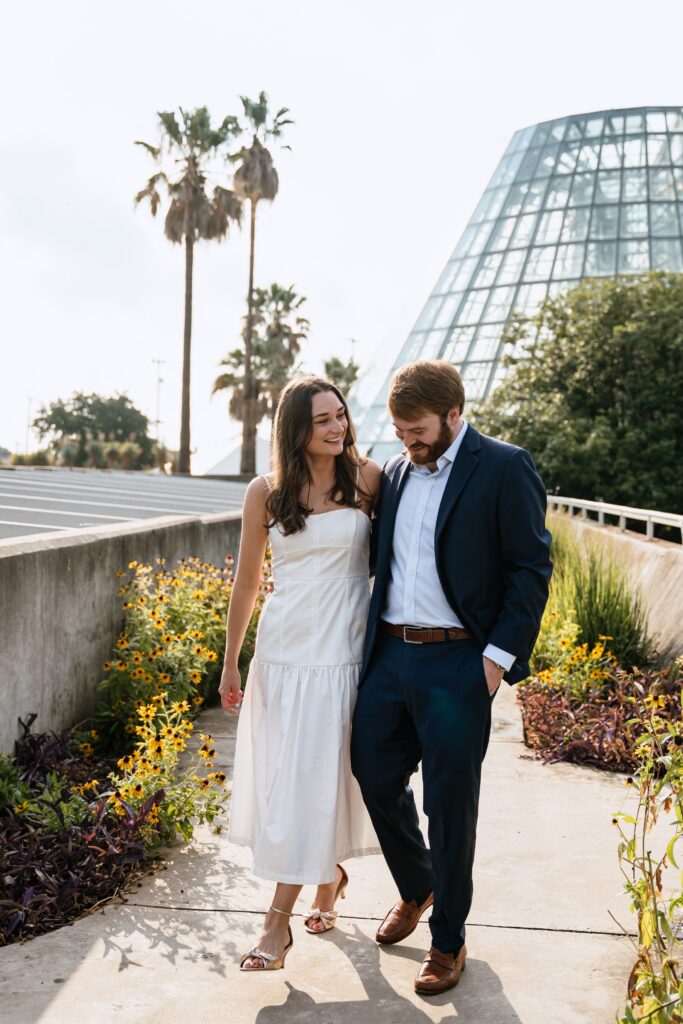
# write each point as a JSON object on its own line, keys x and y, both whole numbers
{"x": 426, "y": 634}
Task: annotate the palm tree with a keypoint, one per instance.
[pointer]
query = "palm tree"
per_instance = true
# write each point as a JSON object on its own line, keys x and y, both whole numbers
{"x": 192, "y": 213}
{"x": 343, "y": 374}
{"x": 277, "y": 331}
{"x": 255, "y": 179}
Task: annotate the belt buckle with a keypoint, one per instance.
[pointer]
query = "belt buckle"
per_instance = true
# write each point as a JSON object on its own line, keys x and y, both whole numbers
{"x": 405, "y": 638}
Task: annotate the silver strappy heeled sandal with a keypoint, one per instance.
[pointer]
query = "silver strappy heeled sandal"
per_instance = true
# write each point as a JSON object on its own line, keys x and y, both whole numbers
{"x": 269, "y": 961}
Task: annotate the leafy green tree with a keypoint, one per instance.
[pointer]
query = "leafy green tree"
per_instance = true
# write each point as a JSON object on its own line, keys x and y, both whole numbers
{"x": 598, "y": 397}
{"x": 255, "y": 179}
{"x": 193, "y": 212}
{"x": 343, "y": 374}
{"x": 91, "y": 430}
{"x": 277, "y": 330}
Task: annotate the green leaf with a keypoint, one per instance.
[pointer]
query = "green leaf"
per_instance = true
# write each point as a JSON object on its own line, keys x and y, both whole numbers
{"x": 648, "y": 928}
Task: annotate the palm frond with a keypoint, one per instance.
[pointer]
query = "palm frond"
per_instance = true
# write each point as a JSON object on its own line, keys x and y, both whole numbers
{"x": 154, "y": 150}
{"x": 170, "y": 125}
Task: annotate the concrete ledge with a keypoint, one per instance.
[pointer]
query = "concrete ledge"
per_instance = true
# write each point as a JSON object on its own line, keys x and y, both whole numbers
{"x": 655, "y": 567}
{"x": 60, "y": 610}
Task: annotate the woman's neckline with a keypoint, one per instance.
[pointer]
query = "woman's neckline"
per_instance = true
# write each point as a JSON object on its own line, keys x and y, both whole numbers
{"x": 347, "y": 508}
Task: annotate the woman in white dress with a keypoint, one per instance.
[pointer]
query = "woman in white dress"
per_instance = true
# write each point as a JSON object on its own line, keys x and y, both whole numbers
{"x": 294, "y": 801}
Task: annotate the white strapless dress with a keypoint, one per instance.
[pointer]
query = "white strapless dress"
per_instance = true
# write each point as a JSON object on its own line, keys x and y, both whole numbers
{"x": 294, "y": 799}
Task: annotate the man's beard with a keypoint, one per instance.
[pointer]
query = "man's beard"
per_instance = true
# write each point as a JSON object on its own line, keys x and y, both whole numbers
{"x": 431, "y": 452}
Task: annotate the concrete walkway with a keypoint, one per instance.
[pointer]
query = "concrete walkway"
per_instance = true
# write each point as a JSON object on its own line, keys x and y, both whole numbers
{"x": 542, "y": 946}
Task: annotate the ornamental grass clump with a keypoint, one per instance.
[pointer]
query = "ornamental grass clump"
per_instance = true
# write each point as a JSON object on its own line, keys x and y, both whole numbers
{"x": 650, "y": 858}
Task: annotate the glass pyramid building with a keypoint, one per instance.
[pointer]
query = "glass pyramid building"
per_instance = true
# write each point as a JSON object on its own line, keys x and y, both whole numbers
{"x": 592, "y": 195}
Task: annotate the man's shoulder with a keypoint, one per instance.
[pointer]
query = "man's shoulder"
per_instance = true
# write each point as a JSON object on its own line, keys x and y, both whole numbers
{"x": 392, "y": 464}
{"x": 502, "y": 450}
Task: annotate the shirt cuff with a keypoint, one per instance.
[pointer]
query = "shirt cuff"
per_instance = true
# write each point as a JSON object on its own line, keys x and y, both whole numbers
{"x": 501, "y": 657}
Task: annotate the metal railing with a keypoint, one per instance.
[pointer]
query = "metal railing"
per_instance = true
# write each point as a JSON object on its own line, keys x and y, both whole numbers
{"x": 622, "y": 513}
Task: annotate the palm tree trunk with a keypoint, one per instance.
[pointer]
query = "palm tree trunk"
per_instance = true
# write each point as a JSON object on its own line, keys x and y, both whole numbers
{"x": 184, "y": 456}
{"x": 248, "y": 455}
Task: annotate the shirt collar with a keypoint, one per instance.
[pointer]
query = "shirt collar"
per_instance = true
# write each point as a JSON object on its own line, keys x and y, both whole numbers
{"x": 448, "y": 456}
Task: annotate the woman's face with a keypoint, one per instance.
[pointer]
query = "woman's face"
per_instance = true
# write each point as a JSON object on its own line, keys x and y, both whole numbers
{"x": 329, "y": 425}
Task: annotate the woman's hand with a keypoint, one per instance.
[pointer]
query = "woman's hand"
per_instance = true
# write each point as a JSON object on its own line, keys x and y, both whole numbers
{"x": 230, "y": 689}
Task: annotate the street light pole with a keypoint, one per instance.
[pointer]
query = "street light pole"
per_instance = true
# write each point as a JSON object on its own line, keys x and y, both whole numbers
{"x": 160, "y": 380}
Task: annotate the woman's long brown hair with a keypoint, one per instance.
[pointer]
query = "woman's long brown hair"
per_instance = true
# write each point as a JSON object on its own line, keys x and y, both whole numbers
{"x": 293, "y": 430}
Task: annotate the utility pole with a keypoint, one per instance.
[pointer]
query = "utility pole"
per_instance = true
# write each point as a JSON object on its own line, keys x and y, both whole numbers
{"x": 28, "y": 425}
{"x": 160, "y": 380}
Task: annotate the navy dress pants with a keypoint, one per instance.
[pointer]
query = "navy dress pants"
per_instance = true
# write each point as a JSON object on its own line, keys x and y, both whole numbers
{"x": 429, "y": 703}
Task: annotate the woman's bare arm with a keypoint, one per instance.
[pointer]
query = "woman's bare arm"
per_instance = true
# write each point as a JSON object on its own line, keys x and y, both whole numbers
{"x": 253, "y": 541}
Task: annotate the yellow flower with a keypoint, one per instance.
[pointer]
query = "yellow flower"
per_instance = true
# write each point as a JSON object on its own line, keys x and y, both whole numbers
{"x": 125, "y": 763}
{"x": 196, "y": 677}
{"x": 197, "y": 700}
{"x": 122, "y": 643}
{"x": 120, "y": 665}
{"x": 180, "y": 705}
{"x": 164, "y": 677}
{"x": 168, "y": 638}
{"x": 106, "y": 667}
{"x": 133, "y": 565}
{"x": 119, "y": 574}
{"x": 147, "y": 713}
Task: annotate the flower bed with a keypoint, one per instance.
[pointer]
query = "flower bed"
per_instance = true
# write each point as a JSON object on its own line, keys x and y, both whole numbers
{"x": 81, "y": 813}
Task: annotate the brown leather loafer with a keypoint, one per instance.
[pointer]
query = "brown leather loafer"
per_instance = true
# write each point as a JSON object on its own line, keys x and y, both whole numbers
{"x": 401, "y": 920}
{"x": 439, "y": 971}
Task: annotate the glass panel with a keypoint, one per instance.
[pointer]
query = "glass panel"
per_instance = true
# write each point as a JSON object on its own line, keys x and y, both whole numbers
{"x": 479, "y": 241}
{"x": 487, "y": 343}
{"x": 611, "y": 155}
{"x": 574, "y": 129}
{"x": 633, "y": 256}
{"x": 674, "y": 120}
{"x": 541, "y": 134}
{"x": 528, "y": 164}
{"x": 569, "y": 261}
{"x": 512, "y": 266}
{"x": 666, "y": 255}
{"x": 534, "y": 196}
{"x": 601, "y": 259}
{"x": 594, "y": 127}
{"x": 550, "y": 226}
{"x": 465, "y": 240}
{"x": 634, "y": 123}
{"x": 608, "y": 187}
{"x": 657, "y": 150}
{"x": 499, "y": 304}
{"x": 664, "y": 219}
{"x": 633, "y": 220}
{"x": 635, "y": 185}
{"x": 444, "y": 317}
{"x": 614, "y": 124}
{"x": 557, "y": 131}
{"x": 475, "y": 378}
{"x": 540, "y": 263}
{"x": 482, "y": 206}
{"x": 497, "y": 202}
{"x": 446, "y": 280}
{"x": 582, "y": 190}
{"x": 575, "y": 227}
{"x": 513, "y": 203}
{"x": 558, "y": 193}
{"x": 547, "y": 162}
{"x": 471, "y": 310}
{"x": 433, "y": 344}
{"x": 604, "y": 222}
{"x": 528, "y": 298}
{"x": 676, "y": 142}
{"x": 525, "y": 229}
{"x": 678, "y": 182}
{"x": 566, "y": 161}
{"x": 500, "y": 236}
{"x": 589, "y": 155}
{"x": 412, "y": 347}
{"x": 372, "y": 424}
{"x": 426, "y": 318}
{"x": 488, "y": 270}
{"x": 462, "y": 280}
{"x": 634, "y": 152}
{"x": 459, "y": 344}
{"x": 656, "y": 121}
{"x": 662, "y": 185}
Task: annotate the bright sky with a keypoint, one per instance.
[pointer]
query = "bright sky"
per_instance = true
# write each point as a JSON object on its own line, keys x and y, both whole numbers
{"x": 402, "y": 112}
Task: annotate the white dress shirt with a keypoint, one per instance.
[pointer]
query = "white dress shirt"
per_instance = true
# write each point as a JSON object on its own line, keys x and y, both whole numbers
{"x": 414, "y": 593}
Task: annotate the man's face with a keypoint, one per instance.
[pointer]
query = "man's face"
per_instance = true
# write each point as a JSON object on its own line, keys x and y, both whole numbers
{"x": 427, "y": 437}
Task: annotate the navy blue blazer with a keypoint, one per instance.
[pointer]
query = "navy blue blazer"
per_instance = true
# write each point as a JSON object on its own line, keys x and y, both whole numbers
{"x": 492, "y": 547}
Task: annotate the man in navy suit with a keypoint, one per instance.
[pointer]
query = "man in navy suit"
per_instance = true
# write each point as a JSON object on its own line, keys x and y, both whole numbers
{"x": 462, "y": 566}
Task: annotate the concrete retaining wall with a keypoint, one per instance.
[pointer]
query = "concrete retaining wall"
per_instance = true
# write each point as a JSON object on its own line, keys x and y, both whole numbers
{"x": 655, "y": 568}
{"x": 60, "y": 610}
